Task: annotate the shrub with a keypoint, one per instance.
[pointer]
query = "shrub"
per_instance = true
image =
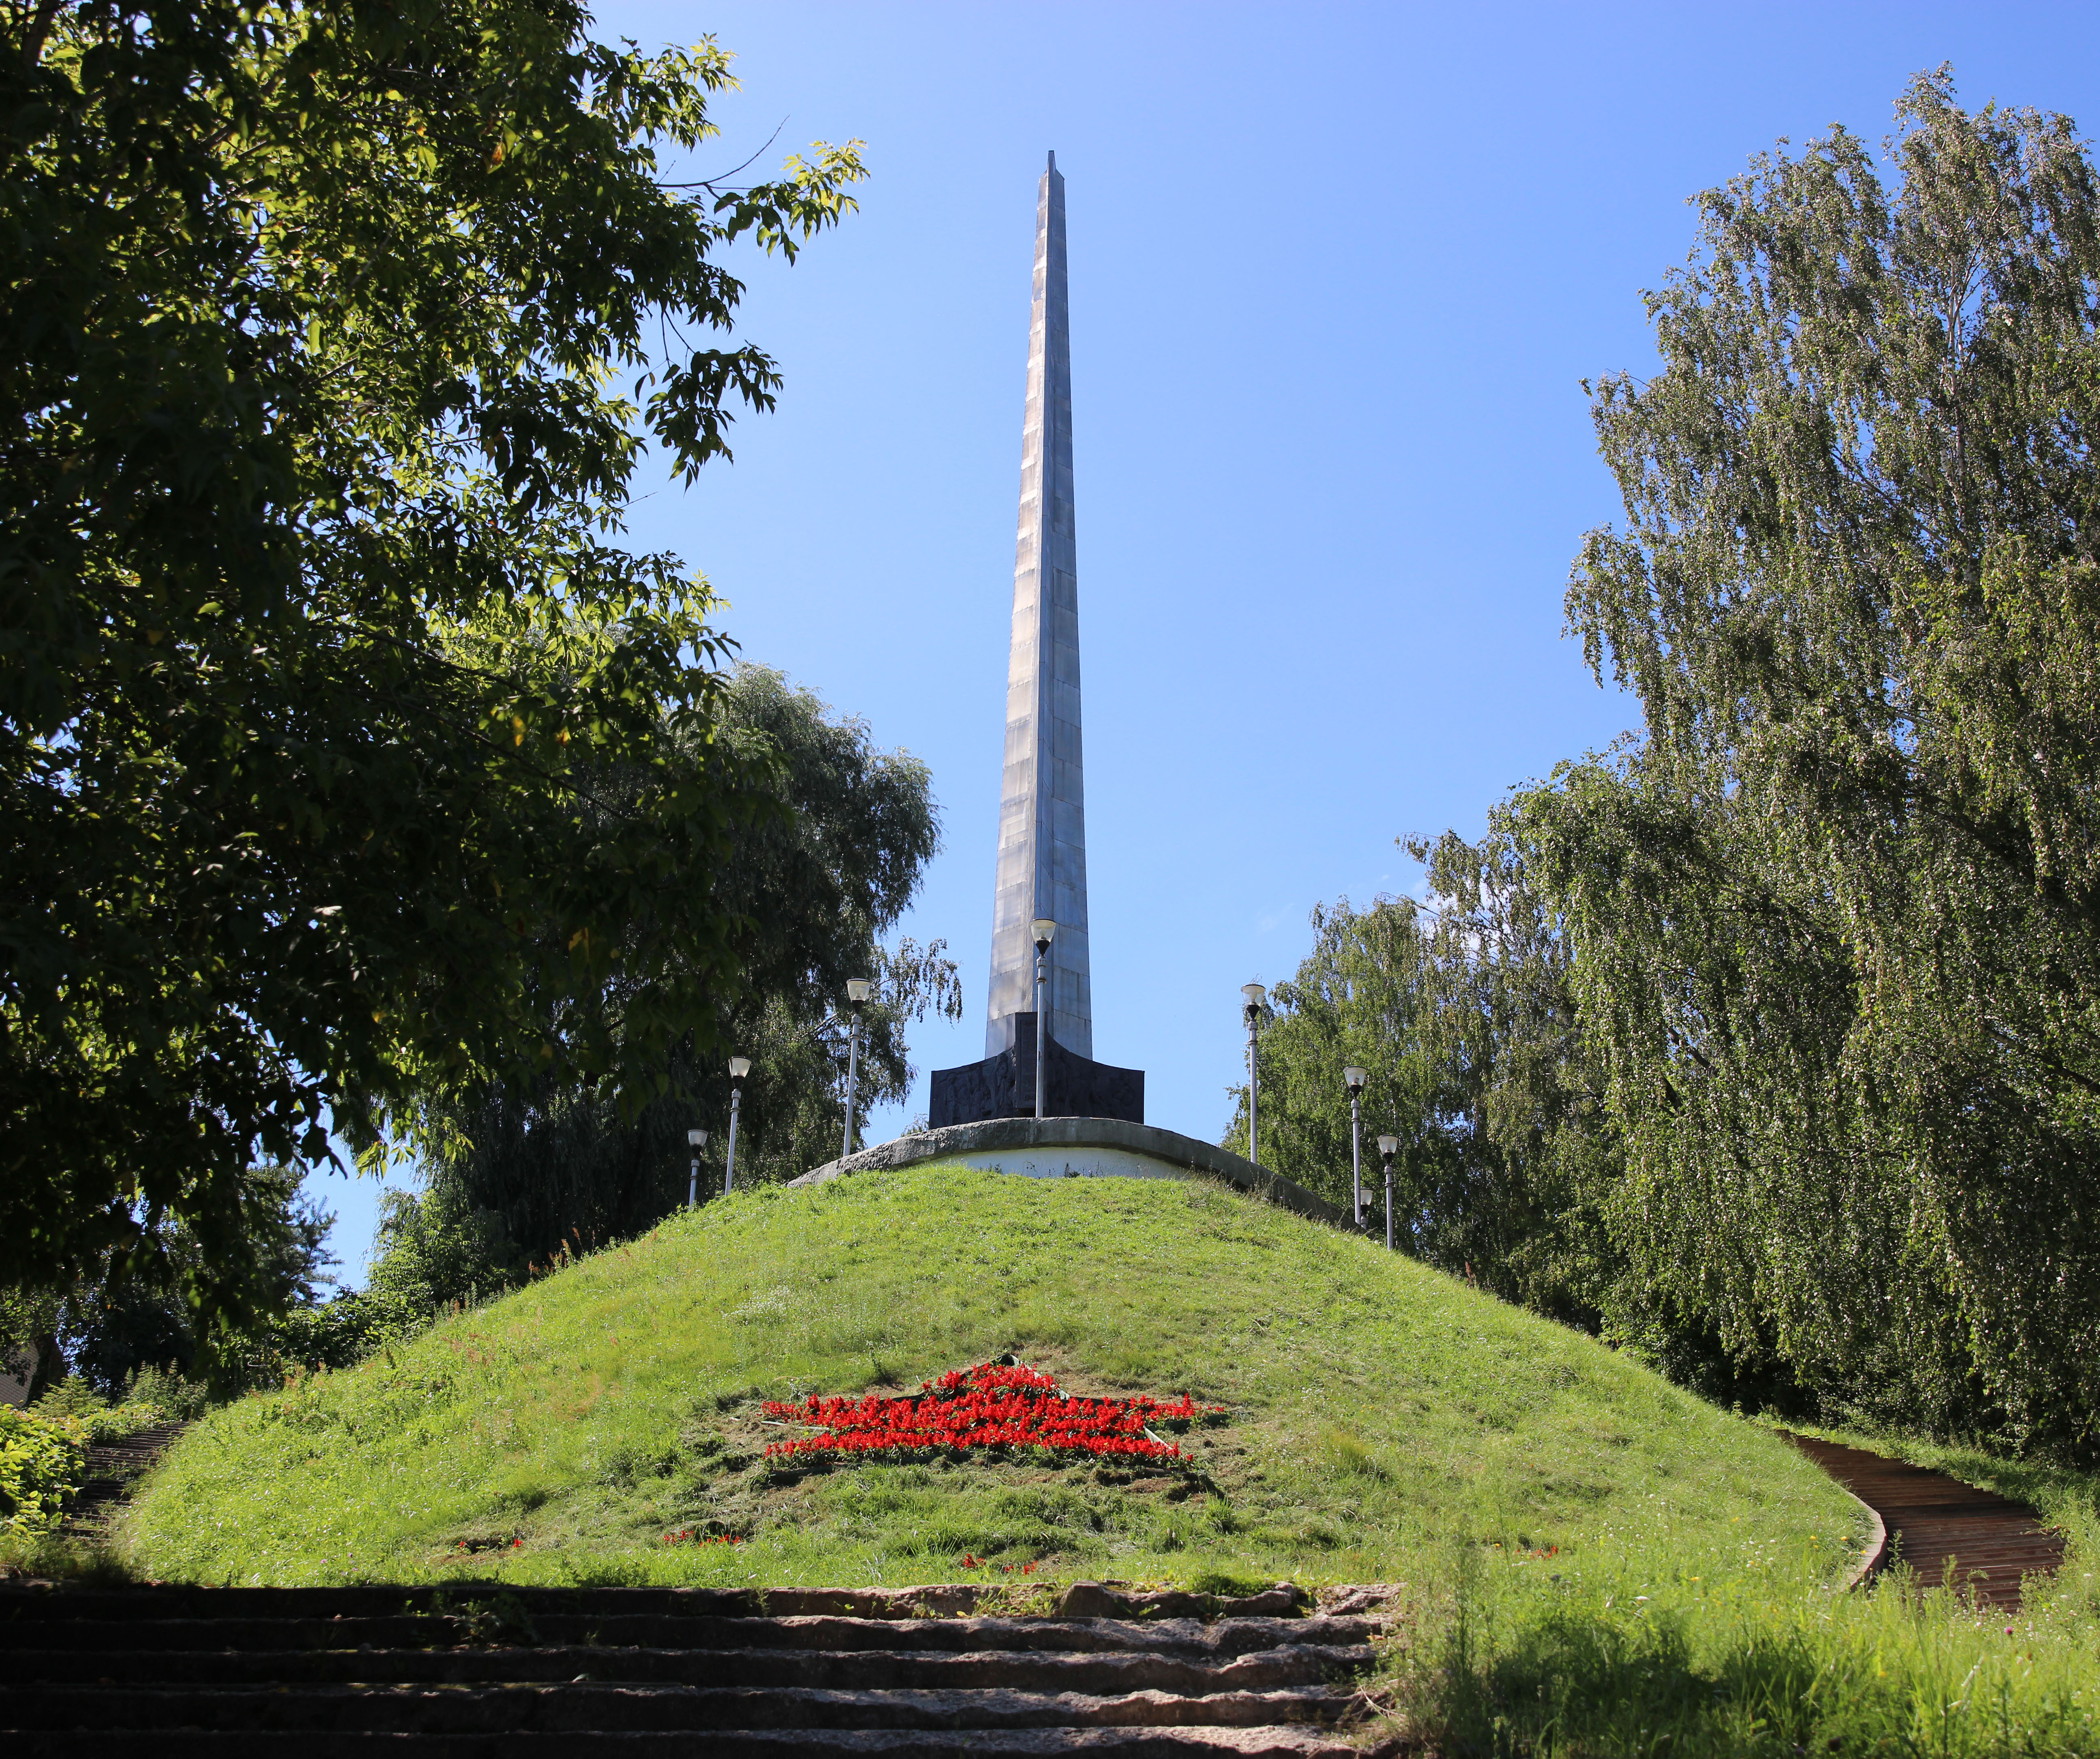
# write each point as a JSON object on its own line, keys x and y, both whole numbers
{"x": 168, "y": 1393}
{"x": 73, "y": 1397}
{"x": 74, "y": 1400}
{"x": 42, "y": 1460}
{"x": 338, "y": 1333}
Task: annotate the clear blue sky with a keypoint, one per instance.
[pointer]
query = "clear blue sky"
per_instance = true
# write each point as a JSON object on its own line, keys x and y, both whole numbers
{"x": 1337, "y": 273}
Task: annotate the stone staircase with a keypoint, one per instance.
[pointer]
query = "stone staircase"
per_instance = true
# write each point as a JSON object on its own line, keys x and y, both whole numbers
{"x": 114, "y": 1467}
{"x": 233, "y": 1672}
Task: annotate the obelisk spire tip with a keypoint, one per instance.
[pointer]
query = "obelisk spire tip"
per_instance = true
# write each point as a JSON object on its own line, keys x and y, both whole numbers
{"x": 1042, "y": 823}
{"x": 1053, "y": 159}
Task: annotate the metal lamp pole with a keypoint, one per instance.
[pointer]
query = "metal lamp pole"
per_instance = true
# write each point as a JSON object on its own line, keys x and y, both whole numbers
{"x": 1043, "y": 929}
{"x": 696, "y": 1140}
{"x": 739, "y": 1067}
{"x": 1255, "y": 995}
{"x": 1353, "y": 1078}
{"x": 858, "y": 990}
{"x": 1388, "y": 1146}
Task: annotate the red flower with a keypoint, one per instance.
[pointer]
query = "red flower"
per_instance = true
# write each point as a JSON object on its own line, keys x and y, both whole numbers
{"x": 993, "y": 1405}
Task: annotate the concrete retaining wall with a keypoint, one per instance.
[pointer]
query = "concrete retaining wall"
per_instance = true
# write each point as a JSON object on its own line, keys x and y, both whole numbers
{"x": 1079, "y": 1147}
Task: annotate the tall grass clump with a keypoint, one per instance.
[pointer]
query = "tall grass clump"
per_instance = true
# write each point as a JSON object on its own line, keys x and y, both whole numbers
{"x": 1612, "y": 1656}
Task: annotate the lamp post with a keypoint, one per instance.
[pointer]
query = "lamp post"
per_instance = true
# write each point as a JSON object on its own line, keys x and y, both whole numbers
{"x": 1388, "y": 1146}
{"x": 739, "y": 1067}
{"x": 1255, "y": 995}
{"x": 1353, "y": 1078}
{"x": 858, "y": 990}
{"x": 1043, "y": 930}
{"x": 696, "y": 1139}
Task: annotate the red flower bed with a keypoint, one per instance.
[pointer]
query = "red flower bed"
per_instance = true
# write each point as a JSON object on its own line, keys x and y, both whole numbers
{"x": 994, "y": 1405}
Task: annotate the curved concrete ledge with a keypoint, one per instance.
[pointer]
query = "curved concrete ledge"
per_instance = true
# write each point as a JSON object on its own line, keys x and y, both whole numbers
{"x": 1079, "y": 1147}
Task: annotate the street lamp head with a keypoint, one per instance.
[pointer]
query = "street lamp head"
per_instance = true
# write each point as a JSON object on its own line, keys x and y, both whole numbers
{"x": 1044, "y": 930}
{"x": 739, "y": 1067}
{"x": 1388, "y": 1146}
{"x": 698, "y": 1138}
{"x": 858, "y": 990}
{"x": 1255, "y": 993}
{"x": 1353, "y": 1078}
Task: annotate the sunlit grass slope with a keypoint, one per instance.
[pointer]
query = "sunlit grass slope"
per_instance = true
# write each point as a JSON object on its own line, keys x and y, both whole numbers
{"x": 1381, "y": 1415}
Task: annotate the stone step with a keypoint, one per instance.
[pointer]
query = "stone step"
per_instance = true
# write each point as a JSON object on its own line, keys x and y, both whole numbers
{"x": 1272, "y": 1742}
{"x": 114, "y": 1467}
{"x": 1091, "y": 1600}
{"x": 184, "y": 1601}
{"x": 1098, "y": 1671}
{"x": 1225, "y": 1637}
{"x": 423, "y": 1672}
{"x": 583, "y": 1708}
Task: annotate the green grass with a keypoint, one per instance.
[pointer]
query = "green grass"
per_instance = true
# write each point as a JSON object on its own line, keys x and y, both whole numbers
{"x": 1619, "y": 1659}
{"x": 1595, "y": 1562}
{"x": 1382, "y": 1414}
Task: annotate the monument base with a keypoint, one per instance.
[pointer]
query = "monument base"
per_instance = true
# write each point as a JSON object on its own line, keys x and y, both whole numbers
{"x": 1079, "y": 1148}
{"x": 1003, "y": 1084}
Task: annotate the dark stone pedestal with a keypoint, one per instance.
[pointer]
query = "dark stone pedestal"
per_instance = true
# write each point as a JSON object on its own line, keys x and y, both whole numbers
{"x": 1004, "y": 1086}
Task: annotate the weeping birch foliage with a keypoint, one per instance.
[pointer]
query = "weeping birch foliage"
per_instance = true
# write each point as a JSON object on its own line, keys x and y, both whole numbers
{"x": 1459, "y": 1011}
{"x": 1837, "y": 911}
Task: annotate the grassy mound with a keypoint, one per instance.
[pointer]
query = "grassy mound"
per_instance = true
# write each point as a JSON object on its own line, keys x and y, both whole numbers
{"x": 1381, "y": 1415}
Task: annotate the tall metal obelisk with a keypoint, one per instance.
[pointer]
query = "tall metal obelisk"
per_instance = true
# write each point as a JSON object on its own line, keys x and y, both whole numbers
{"x": 1042, "y": 816}
{"x": 1042, "y": 811}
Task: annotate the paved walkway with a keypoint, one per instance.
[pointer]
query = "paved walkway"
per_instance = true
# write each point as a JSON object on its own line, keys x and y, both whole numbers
{"x": 1932, "y": 1519}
